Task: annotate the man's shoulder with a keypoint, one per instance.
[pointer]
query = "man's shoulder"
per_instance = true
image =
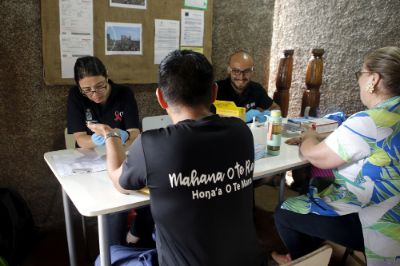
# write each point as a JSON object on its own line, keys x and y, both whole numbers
{"x": 224, "y": 83}
{"x": 119, "y": 88}
{"x": 255, "y": 85}
{"x": 120, "y": 92}
{"x": 74, "y": 91}
{"x": 75, "y": 96}
{"x": 213, "y": 122}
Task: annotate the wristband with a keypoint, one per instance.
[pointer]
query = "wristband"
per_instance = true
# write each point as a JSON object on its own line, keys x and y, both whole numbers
{"x": 112, "y": 134}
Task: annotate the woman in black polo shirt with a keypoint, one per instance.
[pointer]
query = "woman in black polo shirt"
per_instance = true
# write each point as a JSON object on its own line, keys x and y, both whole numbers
{"x": 95, "y": 98}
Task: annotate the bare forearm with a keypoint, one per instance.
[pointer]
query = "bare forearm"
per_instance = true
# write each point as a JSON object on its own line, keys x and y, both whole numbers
{"x": 133, "y": 133}
{"x": 318, "y": 153}
{"x": 115, "y": 158}
{"x": 115, "y": 153}
{"x": 84, "y": 140}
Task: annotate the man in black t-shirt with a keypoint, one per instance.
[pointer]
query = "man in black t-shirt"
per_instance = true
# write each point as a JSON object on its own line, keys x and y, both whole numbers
{"x": 239, "y": 88}
{"x": 199, "y": 176}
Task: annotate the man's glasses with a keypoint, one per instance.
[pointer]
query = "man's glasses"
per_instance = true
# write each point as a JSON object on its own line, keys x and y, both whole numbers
{"x": 237, "y": 71}
{"x": 99, "y": 88}
{"x": 359, "y": 73}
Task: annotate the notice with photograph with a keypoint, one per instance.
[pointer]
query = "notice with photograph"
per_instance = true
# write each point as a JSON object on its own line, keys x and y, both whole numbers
{"x": 192, "y": 27}
{"x": 200, "y": 4}
{"x": 123, "y": 38}
{"x": 138, "y": 4}
{"x": 166, "y": 38}
{"x": 76, "y": 33}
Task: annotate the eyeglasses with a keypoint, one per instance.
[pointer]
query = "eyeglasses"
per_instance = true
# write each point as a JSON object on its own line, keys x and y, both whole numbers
{"x": 237, "y": 71}
{"x": 99, "y": 88}
{"x": 359, "y": 73}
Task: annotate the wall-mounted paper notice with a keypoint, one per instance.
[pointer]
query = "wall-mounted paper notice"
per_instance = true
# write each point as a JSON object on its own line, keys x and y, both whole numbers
{"x": 76, "y": 33}
{"x": 201, "y": 4}
{"x": 72, "y": 47}
{"x": 166, "y": 38}
{"x": 192, "y": 27}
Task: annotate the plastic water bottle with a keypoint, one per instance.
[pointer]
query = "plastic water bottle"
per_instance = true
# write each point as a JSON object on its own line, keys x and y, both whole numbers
{"x": 274, "y": 134}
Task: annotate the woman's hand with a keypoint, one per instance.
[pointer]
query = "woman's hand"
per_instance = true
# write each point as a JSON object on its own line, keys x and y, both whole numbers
{"x": 294, "y": 141}
{"x": 99, "y": 129}
{"x": 310, "y": 133}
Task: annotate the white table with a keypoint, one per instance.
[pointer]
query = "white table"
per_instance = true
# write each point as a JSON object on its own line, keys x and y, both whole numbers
{"x": 94, "y": 195}
{"x": 288, "y": 159}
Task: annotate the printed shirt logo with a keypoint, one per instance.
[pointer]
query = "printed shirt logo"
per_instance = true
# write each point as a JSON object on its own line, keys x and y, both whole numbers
{"x": 88, "y": 115}
{"x": 250, "y": 105}
{"x": 219, "y": 183}
{"x": 118, "y": 116}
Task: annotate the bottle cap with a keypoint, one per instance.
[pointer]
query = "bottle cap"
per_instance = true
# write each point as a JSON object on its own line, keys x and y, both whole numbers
{"x": 276, "y": 116}
{"x": 276, "y": 113}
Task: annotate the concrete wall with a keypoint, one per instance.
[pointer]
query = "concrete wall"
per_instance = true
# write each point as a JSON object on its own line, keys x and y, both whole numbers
{"x": 33, "y": 115}
{"x": 243, "y": 25}
{"x": 346, "y": 30}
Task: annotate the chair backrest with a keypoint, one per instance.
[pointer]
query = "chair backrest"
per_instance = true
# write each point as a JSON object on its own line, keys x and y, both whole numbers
{"x": 69, "y": 140}
{"x": 319, "y": 257}
{"x": 153, "y": 122}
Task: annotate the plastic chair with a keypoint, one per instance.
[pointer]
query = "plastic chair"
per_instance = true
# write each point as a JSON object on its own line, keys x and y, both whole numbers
{"x": 319, "y": 257}
{"x": 153, "y": 122}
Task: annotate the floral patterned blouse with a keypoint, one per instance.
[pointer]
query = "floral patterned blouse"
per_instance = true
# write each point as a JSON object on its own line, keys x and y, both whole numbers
{"x": 369, "y": 183}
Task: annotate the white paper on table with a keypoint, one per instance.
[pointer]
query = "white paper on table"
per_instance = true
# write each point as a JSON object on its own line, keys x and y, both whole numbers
{"x": 192, "y": 27}
{"x": 202, "y": 4}
{"x": 76, "y": 33}
{"x": 72, "y": 164}
{"x": 166, "y": 38}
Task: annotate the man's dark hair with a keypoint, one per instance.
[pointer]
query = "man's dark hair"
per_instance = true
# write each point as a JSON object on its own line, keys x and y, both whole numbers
{"x": 88, "y": 66}
{"x": 186, "y": 77}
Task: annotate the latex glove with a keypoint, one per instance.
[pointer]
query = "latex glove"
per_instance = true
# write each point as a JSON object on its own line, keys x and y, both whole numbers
{"x": 124, "y": 135}
{"x": 98, "y": 140}
{"x": 251, "y": 113}
{"x": 262, "y": 116}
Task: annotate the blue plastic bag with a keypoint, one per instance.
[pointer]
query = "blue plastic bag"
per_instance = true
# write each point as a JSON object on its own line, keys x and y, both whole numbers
{"x": 338, "y": 116}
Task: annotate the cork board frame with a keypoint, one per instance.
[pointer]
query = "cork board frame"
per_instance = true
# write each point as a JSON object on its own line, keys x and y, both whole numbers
{"x": 128, "y": 69}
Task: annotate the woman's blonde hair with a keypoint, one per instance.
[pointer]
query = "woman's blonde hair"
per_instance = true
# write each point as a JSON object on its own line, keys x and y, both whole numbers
{"x": 386, "y": 62}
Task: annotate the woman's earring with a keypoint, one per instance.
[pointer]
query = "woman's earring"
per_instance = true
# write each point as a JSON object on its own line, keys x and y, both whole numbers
{"x": 370, "y": 88}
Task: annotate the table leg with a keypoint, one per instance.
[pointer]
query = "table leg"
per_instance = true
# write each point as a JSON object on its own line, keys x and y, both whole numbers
{"x": 282, "y": 183}
{"x": 103, "y": 241}
{"x": 69, "y": 229}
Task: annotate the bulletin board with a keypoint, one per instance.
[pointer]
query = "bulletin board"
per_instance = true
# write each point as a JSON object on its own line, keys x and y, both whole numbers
{"x": 131, "y": 69}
